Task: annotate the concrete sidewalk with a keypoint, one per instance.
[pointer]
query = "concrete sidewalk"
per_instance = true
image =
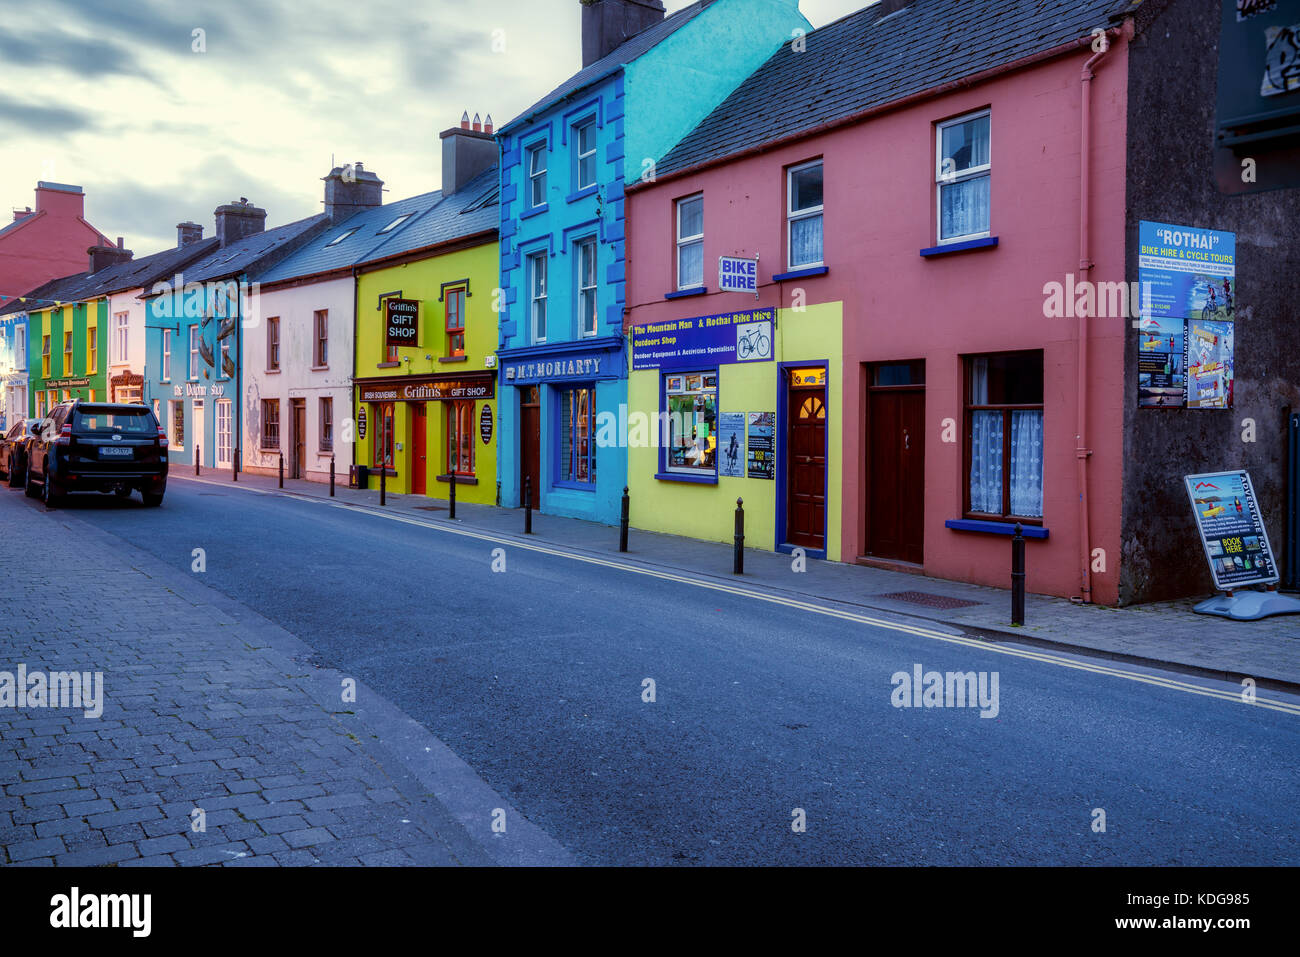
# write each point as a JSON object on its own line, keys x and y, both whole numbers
{"x": 1166, "y": 633}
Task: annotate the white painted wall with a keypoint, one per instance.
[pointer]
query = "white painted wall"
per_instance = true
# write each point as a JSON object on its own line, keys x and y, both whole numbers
{"x": 296, "y": 308}
{"x": 130, "y": 303}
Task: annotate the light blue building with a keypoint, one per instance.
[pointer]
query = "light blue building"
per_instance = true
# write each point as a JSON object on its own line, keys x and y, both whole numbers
{"x": 13, "y": 368}
{"x": 647, "y": 80}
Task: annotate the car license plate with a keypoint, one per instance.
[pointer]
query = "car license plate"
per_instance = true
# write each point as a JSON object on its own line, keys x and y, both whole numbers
{"x": 116, "y": 452}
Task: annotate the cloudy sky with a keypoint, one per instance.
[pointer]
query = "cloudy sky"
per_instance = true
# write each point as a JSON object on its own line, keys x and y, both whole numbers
{"x": 112, "y": 95}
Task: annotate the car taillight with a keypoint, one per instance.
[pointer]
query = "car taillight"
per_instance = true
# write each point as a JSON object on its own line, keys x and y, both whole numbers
{"x": 162, "y": 437}
{"x": 65, "y": 435}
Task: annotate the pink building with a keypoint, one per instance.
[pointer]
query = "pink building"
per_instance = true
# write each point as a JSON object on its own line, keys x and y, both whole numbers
{"x": 46, "y": 242}
{"x": 928, "y": 192}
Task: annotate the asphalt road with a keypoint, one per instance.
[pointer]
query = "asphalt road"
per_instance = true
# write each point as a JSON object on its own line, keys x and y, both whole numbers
{"x": 534, "y": 676}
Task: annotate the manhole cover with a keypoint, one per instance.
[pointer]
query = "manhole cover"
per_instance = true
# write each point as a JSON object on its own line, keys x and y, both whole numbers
{"x": 929, "y": 600}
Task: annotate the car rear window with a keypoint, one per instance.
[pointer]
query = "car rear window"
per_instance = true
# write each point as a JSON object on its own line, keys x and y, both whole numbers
{"x": 107, "y": 421}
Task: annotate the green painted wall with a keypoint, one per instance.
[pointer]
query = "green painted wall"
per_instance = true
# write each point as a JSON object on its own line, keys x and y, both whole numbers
{"x": 78, "y": 318}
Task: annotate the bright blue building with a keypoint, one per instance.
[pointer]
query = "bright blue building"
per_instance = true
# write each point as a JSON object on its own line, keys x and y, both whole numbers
{"x": 647, "y": 80}
{"x": 13, "y": 368}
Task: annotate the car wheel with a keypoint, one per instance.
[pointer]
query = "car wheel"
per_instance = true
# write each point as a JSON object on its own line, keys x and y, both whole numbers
{"x": 49, "y": 491}
{"x": 30, "y": 487}
{"x": 152, "y": 500}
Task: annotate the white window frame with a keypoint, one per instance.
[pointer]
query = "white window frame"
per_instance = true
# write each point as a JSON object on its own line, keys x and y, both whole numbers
{"x": 223, "y": 350}
{"x": 166, "y": 355}
{"x": 537, "y": 303}
{"x": 225, "y": 438}
{"x": 174, "y": 445}
{"x": 579, "y": 155}
{"x": 121, "y": 332}
{"x": 194, "y": 352}
{"x": 580, "y": 247}
{"x": 793, "y": 215}
{"x": 684, "y": 242}
{"x": 973, "y": 173}
{"x": 394, "y": 224}
{"x": 20, "y": 347}
{"x": 536, "y": 177}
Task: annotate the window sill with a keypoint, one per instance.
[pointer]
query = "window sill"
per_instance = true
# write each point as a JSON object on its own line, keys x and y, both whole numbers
{"x": 320, "y": 368}
{"x": 535, "y": 211}
{"x": 688, "y": 479}
{"x": 994, "y": 528}
{"x": 987, "y": 242}
{"x": 574, "y": 487}
{"x": 682, "y": 293}
{"x": 268, "y": 448}
{"x": 805, "y": 273}
{"x": 387, "y": 365}
{"x": 453, "y": 358}
{"x": 324, "y": 451}
{"x": 271, "y": 371}
{"x": 581, "y": 194}
{"x": 460, "y": 479}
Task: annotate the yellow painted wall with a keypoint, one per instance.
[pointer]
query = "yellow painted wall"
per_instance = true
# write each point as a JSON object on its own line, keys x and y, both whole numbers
{"x": 708, "y": 511}
{"x": 423, "y": 280}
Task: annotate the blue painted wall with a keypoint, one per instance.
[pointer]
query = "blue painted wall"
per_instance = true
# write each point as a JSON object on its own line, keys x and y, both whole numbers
{"x": 13, "y": 367}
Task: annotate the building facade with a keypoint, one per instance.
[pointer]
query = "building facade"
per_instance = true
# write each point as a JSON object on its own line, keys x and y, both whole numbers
{"x": 930, "y": 207}
{"x": 47, "y": 242}
{"x": 564, "y": 165}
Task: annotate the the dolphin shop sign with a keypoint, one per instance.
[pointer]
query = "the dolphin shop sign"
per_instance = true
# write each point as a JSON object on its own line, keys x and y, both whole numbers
{"x": 705, "y": 341}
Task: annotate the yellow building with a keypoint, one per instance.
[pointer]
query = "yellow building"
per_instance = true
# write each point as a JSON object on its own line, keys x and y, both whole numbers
{"x": 424, "y": 392}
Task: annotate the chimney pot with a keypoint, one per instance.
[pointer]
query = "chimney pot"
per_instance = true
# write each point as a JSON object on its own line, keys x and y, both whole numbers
{"x": 187, "y": 233}
{"x": 608, "y": 24}
{"x": 478, "y": 124}
{"x": 487, "y": 124}
{"x": 101, "y": 257}
{"x": 466, "y": 152}
{"x": 237, "y": 220}
{"x": 348, "y": 192}
{"x": 464, "y": 120}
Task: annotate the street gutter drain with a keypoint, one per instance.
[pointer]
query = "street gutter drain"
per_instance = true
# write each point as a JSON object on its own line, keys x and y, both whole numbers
{"x": 929, "y": 600}
{"x": 432, "y": 508}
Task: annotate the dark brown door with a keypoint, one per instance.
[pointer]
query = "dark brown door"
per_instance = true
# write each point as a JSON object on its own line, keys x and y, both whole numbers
{"x": 896, "y": 474}
{"x": 299, "y": 437}
{"x": 530, "y": 443}
{"x": 806, "y": 469}
{"x": 419, "y": 451}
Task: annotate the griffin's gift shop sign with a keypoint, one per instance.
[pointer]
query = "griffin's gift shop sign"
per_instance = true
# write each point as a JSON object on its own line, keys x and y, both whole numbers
{"x": 402, "y": 322}
{"x": 429, "y": 389}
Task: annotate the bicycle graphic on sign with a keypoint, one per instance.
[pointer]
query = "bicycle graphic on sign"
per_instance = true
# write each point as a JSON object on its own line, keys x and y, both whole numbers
{"x": 754, "y": 341}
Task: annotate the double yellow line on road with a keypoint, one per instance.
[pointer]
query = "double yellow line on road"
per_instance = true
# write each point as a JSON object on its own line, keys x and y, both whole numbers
{"x": 1061, "y": 661}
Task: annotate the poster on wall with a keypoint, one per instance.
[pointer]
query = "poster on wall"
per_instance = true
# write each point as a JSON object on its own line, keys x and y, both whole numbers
{"x": 1185, "y": 341}
{"x": 761, "y": 460}
{"x": 731, "y": 444}
{"x": 1231, "y": 529}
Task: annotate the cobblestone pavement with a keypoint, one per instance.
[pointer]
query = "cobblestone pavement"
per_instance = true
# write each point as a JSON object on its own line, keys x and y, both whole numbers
{"x": 206, "y": 706}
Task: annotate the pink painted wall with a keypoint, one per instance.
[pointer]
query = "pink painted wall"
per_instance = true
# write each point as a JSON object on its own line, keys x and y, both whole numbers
{"x": 51, "y": 242}
{"x": 880, "y": 211}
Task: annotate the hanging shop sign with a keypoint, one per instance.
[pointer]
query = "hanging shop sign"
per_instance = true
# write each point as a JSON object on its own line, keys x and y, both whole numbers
{"x": 737, "y": 275}
{"x": 705, "y": 340}
{"x": 731, "y": 444}
{"x": 402, "y": 322}
{"x": 428, "y": 389}
{"x": 762, "y": 445}
{"x": 485, "y": 425}
{"x": 1231, "y": 529}
{"x": 1188, "y": 303}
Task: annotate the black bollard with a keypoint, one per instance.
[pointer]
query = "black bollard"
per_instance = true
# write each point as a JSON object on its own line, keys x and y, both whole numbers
{"x": 281, "y": 470}
{"x": 451, "y": 495}
{"x": 383, "y": 485}
{"x": 198, "y": 457}
{"x": 331, "y": 475}
{"x": 738, "y": 561}
{"x": 1018, "y": 577}
{"x": 622, "y": 521}
{"x": 528, "y": 505}
{"x": 234, "y": 466}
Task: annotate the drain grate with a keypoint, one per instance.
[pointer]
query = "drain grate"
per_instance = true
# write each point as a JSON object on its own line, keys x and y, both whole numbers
{"x": 929, "y": 600}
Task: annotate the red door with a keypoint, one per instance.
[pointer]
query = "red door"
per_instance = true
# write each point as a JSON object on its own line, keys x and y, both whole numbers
{"x": 896, "y": 474}
{"x": 806, "y": 468}
{"x": 530, "y": 443}
{"x": 419, "y": 435}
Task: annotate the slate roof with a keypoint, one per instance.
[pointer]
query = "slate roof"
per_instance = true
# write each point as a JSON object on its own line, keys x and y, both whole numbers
{"x": 255, "y": 251}
{"x": 862, "y": 60}
{"x": 471, "y": 209}
{"x": 612, "y": 62}
{"x": 65, "y": 289}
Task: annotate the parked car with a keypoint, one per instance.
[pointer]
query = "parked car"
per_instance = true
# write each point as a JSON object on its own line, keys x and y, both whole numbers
{"x": 13, "y": 451}
{"x": 98, "y": 447}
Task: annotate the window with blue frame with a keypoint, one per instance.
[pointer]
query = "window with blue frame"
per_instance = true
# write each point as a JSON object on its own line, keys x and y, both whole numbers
{"x": 577, "y": 458}
{"x": 585, "y": 261}
{"x": 584, "y": 154}
{"x": 537, "y": 295}
{"x": 537, "y": 175}
{"x": 691, "y": 401}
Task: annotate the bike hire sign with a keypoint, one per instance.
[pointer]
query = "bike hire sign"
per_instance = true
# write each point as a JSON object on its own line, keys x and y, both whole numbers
{"x": 1232, "y": 530}
{"x": 705, "y": 341}
{"x": 401, "y": 321}
{"x": 737, "y": 275}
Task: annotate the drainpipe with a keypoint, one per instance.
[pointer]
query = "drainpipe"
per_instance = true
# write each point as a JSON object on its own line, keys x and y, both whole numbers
{"x": 1081, "y": 450}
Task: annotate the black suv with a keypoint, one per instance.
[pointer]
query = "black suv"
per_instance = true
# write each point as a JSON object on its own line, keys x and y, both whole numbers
{"x": 98, "y": 447}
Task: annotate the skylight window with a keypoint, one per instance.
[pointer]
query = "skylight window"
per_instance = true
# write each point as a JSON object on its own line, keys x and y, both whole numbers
{"x": 340, "y": 237}
{"x": 394, "y": 224}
